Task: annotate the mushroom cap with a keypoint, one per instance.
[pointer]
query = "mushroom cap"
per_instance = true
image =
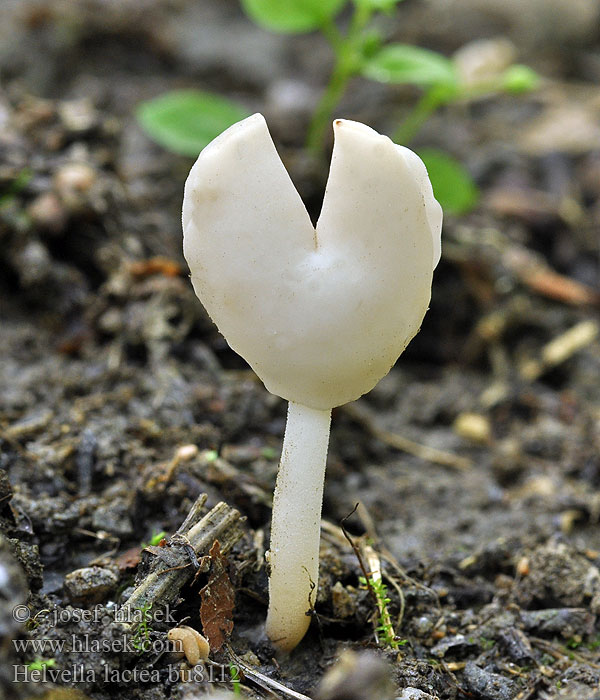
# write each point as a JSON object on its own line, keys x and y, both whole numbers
{"x": 320, "y": 315}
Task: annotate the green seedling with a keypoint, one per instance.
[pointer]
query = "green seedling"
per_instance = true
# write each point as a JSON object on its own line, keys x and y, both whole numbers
{"x": 40, "y": 664}
{"x": 12, "y": 189}
{"x": 594, "y": 644}
{"x": 234, "y": 674}
{"x": 384, "y": 629}
{"x": 155, "y": 540}
{"x": 140, "y": 640}
{"x": 269, "y": 453}
{"x": 186, "y": 121}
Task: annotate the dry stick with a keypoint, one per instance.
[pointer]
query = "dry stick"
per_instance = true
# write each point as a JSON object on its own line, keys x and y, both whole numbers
{"x": 261, "y": 680}
{"x": 558, "y": 653}
{"x": 170, "y": 571}
{"x": 532, "y": 691}
{"x": 429, "y": 454}
{"x": 560, "y": 349}
{"x": 391, "y": 580}
{"x": 369, "y": 525}
{"x": 358, "y": 554}
{"x": 553, "y": 354}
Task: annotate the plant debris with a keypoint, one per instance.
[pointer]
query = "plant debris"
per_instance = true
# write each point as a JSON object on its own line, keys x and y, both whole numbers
{"x": 218, "y": 600}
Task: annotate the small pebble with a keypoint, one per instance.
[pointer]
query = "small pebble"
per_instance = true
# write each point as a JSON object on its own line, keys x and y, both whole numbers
{"x": 488, "y": 686}
{"x": 423, "y": 626}
{"x": 34, "y": 264}
{"x": 523, "y": 566}
{"x": 77, "y": 115}
{"x": 415, "y": 694}
{"x": 186, "y": 452}
{"x": 563, "y": 621}
{"x": 356, "y": 676}
{"x": 73, "y": 178}
{"x": 474, "y": 427}
{"x": 459, "y": 643}
{"x": 516, "y": 645}
{"x": 344, "y": 605}
{"x": 113, "y": 517}
{"x": 47, "y": 212}
{"x": 89, "y": 585}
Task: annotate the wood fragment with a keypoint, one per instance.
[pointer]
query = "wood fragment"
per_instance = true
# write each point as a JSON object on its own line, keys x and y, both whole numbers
{"x": 539, "y": 277}
{"x": 161, "y": 585}
{"x": 560, "y": 349}
{"x": 158, "y": 265}
{"x": 263, "y": 681}
{"x": 358, "y": 555}
{"x": 560, "y": 654}
{"x": 424, "y": 452}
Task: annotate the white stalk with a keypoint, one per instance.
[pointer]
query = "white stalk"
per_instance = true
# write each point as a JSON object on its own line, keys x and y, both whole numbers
{"x": 296, "y": 524}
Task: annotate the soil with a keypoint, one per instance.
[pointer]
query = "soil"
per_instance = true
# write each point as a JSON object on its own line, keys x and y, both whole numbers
{"x": 476, "y": 461}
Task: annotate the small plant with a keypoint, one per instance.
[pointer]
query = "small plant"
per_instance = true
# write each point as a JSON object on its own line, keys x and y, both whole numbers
{"x": 594, "y": 644}
{"x": 186, "y": 121}
{"x": 11, "y": 189}
{"x": 385, "y": 630}
{"x": 234, "y": 674}
{"x": 486, "y": 644}
{"x": 155, "y": 540}
{"x": 141, "y": 637}
{"x": 40, "y": 664}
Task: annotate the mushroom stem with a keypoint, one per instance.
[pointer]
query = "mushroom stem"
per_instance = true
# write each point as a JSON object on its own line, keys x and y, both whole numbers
{"x": 296, "y": 525}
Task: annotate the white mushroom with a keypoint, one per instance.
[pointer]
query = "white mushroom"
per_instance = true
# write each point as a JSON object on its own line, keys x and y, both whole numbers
{"x": 320, "y": 315}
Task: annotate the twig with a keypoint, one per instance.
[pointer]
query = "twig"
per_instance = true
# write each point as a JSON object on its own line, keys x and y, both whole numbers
{"x": 169, "y": 572}
{"x": 261, "y": 680}
{"x": 535, "y": 273}
{"x": 424, "y": 452}
{"x": 560, "y": 349}
{"x": 559, "y": 653}
{"x": 194, "y": 515}
{"x": 358, "y": 554}
{"x": 531, "y": 692}
{"x": 400, "y": 592}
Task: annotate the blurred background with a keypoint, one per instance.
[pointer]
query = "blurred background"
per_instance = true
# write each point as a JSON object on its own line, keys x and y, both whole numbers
{"x": 480, "y": 450}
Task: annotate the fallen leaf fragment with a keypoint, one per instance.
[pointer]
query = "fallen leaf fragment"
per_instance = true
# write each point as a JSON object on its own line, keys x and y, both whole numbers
{"x": 540, "y": 278}
{"x": 218, "y": 600}
{"x": 158, "y": 265}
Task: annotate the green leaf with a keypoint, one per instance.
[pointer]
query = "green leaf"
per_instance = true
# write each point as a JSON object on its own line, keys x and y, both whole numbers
{"x": 292, "y": 16}
{"x": 371, "y": 42}
{"x": 453, "y": 186}
{"x": 185, "y": 121}
{"x": 40, "y": 664}
{"x": 519, "y": 79}
{"x": 411, "y": 65}
{"x": 377, "y": 5}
